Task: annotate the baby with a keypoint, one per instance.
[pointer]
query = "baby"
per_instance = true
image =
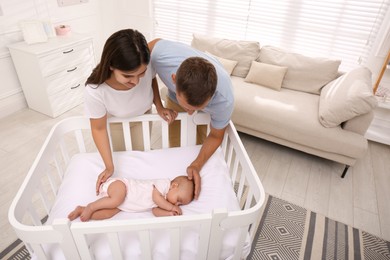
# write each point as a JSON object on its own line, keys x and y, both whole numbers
{"x": 161, "y": 195}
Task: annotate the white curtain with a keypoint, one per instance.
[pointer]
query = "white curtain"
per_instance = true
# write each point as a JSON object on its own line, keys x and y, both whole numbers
{"x": 341, "y": 29}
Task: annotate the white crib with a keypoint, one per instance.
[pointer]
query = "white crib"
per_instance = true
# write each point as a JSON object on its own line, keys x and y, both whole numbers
{"x": 71, "y": 137}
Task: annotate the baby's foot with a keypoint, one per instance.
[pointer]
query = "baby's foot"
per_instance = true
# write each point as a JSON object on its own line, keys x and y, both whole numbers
{"x": 86, "y": 214}
{"x": 76, "y": 213}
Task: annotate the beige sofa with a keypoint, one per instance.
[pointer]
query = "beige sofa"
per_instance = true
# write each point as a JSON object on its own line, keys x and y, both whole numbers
{"x": 297, "y": 101}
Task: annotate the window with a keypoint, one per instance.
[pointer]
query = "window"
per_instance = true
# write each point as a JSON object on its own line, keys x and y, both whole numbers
{"x": 340, "y": 29}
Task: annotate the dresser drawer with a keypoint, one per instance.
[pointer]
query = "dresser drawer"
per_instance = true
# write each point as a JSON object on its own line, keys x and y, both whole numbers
{"x": 69, "y": 78}
{"x": 65, "y": 58}
{"x": 68, "y": 97}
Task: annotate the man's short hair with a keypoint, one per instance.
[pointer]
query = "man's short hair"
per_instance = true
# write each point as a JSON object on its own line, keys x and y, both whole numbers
{"x": 196, "y": 79}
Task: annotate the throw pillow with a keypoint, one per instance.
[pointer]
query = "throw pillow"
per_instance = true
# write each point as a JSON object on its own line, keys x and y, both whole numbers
{"x": 267, "y": 75}
{"x": 229, "y": 65}
{"x": 244, "y": 52}
{"x": 346, "y": 97}
{"x": 304, "y": 73}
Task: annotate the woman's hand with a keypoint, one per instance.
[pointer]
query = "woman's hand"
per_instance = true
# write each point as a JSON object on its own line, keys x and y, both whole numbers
{"x": 167, "y": 114}
{"x": 102, "y": 178}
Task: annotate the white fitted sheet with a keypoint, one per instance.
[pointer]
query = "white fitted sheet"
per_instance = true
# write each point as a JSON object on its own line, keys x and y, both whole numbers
{"x": 78, "y": 188}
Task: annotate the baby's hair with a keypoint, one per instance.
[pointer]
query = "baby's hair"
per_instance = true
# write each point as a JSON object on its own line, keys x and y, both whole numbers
{"x": 186, "y": 185}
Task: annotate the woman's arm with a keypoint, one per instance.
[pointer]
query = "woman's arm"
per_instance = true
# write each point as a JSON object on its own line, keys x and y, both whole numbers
{"x": 100, "y": 137}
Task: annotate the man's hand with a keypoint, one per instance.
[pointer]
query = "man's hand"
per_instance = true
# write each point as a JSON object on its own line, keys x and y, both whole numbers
{"x": 193, "y": 174}
{"x": 167, "y": 114}
{"x": 102, "y": 178}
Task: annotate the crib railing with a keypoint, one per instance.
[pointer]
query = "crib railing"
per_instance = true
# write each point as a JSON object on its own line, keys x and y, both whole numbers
{"x": 34, "y": 199}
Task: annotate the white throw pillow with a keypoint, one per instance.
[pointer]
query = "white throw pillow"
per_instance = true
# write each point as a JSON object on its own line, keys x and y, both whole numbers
{"x": 346, "y": 97}
{"x": 244, "y": 52}
{"x": 304, "y": 73}
{"x": 267, "y": 75}
{"x": 229, "y": 65}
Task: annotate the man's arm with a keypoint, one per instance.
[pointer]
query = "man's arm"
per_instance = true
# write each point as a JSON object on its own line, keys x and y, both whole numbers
{"x": 210, "y": 145}
{"x": 167, "y": 114}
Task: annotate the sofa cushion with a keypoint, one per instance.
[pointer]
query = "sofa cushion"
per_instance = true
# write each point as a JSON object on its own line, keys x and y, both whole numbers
{"x": 346, "y": 97}
{"x": 267, "y": 75}
{"x": 244, "y": 52}
{"x": 304, "y": 73}
{"x": 290, "y": 115}
{"x": 229, "y": 65}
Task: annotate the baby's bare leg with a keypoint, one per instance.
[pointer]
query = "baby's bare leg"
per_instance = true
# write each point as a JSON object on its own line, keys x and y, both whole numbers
{"x": 116, "y": 195}
{"x": 76, "y": 213}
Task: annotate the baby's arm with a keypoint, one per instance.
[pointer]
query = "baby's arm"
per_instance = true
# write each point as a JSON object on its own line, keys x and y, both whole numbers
{"x": 159, "y": 212}
{"x": 162, "y": 203}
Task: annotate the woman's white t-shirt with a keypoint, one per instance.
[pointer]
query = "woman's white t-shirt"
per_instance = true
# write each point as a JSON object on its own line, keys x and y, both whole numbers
{"x": 100, "y": 100}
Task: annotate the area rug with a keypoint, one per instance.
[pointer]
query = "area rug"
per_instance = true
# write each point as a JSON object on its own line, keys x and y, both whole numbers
{"x": 287, "y": 231}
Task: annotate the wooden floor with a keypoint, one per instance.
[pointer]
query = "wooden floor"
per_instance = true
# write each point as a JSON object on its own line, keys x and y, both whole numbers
{"x": 361, "y": 199}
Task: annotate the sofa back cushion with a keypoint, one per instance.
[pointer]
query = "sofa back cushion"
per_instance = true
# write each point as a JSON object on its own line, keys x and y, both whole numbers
{"x": 267, "y": 75}
{"x": 346, "y": 97}
{"x": 304, "y": 73}
{"x": 227, "y": 64}
{"x": 244, "y": 52}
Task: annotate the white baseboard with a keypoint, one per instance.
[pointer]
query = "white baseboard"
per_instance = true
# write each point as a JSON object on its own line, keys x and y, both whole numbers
{"x": 12, "y": 104}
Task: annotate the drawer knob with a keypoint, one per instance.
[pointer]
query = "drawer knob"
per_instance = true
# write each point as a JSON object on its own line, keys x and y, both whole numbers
{"x": 78, "y": 85}
{"x": 72, "y": 69}
{"x": 65, "y": 52}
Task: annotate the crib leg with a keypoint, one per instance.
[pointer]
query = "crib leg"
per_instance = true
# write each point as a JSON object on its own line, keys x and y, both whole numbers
{"x": 345, "y": 171}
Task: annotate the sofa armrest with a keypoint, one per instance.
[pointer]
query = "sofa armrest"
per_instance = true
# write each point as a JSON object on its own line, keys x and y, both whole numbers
{"x": 359, "y": 124}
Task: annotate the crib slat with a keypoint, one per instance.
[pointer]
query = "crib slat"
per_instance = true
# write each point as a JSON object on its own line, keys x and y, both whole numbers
{"x": 113, "y": 240}
{"x": 38, "y": 251}
{"x": 240, "y": 242}
{"x": 185, "y": 133}
{"x": 64, "y": 152}
{"x": 127, "y": 135}
{"x": 216, "y": 234}
{"x": 164, "y": 134}
{"x": 80, "y": 140}
{"x": 34, "y": 216}
{"x": 241, "y": 186}
{"x": 204, "y": 240}
{"x": 234, "y": 172}
{"x": 146, "y": 250}
{"x": 175, "y": 243}
{"x": 146, "y": 135}
{"x": 53, "y": 186}
{"x": 58, "y": 167}
{"x": 45, "y": 200}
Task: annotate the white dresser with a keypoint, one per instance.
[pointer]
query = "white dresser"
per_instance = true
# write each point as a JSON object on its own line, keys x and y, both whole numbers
{"x": 53, "y": 74}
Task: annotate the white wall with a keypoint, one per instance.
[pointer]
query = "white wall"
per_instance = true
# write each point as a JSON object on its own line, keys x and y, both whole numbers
{"x": 97, "y": 18}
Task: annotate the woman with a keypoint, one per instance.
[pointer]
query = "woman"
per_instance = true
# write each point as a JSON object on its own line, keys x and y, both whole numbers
{"x": 121, "y": 86}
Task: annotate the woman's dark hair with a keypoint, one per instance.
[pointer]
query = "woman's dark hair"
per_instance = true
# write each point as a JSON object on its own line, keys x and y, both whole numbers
{"x": 124, "y": 50}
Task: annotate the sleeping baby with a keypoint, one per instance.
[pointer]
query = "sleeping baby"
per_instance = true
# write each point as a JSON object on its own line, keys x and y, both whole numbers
{"x": 161, "y": 195}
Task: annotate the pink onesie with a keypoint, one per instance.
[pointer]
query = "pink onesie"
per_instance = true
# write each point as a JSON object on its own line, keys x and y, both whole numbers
{"x": 139, "y": 193}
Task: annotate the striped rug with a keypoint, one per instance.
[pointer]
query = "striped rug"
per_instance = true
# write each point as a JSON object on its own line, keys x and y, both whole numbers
{"x": 287, "y": 231}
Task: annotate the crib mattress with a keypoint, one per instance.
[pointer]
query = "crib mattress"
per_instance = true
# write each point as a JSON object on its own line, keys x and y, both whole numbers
{"x": 78, "y": 188}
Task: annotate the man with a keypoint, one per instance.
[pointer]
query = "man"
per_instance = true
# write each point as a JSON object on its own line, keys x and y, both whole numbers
{"x": 195, "y": 81}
